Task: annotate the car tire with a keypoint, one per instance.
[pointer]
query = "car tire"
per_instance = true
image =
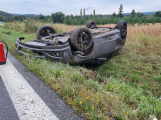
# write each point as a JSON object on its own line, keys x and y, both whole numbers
{"x": 122, "y": 26}
{"x": 81, "y": 38}
{"x": 44, "y": 31}
{"x": 90, "y": 24}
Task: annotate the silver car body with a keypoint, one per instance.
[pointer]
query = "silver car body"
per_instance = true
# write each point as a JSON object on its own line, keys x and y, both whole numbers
{"x": 106, "y": 42}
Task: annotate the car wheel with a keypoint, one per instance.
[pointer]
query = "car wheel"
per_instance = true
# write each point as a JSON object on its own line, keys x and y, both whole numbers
{"x": 122, "y": 26}
{"x": 44, "y": 30}
{"x": 81, "y": 38}
{"x": 91, "y": 24}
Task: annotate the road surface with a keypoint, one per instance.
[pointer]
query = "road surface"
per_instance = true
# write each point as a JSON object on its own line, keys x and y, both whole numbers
{"x": 24, "y": 96}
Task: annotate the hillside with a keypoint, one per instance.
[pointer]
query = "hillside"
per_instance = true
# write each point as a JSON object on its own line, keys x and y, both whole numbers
{"x": 5, "y": 14}
{"x": 145, "y": 13}
{"x": 2, "y": 13}
{"x": 27, "y": 15}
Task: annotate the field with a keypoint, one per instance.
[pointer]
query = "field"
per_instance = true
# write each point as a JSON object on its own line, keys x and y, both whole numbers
{"x": 128, "y": 86}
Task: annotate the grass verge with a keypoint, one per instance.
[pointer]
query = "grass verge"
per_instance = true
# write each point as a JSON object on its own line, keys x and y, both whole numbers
{"x": 125, "y": 87}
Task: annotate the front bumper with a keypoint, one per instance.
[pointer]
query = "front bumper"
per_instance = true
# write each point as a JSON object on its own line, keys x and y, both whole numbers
{"x": 57, "y": 53}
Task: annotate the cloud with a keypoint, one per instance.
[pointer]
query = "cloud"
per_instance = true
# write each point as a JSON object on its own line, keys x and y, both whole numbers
{"x": 45, "y": 0}
{"x": 46, "y": 7}
{"x": 88, "y": 8}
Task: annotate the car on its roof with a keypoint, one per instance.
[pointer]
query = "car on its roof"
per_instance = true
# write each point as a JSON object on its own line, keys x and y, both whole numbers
{"x": 90, "y": 44}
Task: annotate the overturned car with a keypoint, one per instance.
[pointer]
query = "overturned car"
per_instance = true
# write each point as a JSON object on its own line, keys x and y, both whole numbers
{"x": 90, "y": 44}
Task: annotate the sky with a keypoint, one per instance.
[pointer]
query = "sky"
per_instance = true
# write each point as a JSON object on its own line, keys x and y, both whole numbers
{"x": 68, "y": 7}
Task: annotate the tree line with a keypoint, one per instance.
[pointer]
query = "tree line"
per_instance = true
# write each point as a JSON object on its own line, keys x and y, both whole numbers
{"x": 133, "y": 18}
{"x": 82, "y": 18}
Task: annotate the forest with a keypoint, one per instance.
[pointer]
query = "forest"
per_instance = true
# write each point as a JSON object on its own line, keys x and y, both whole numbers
{"x": 82, "y": 18}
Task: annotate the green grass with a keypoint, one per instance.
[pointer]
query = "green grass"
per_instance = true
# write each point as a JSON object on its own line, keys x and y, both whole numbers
{"x": 129, "y": 87}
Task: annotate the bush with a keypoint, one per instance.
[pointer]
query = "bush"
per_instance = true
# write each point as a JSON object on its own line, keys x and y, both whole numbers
{"x": 153, "y": 22}
{"x": 132, "y": 23}
{"x": 17, "y": 26}
{"x": 145, "y": 23}
{"x": 32, "y": 25}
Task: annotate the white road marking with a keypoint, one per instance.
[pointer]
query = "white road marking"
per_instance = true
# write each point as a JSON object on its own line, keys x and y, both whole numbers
{"x": 27, "y": 102}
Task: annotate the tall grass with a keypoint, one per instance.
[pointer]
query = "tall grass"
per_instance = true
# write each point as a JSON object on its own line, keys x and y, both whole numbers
{"x": 145, "y": 40}
{"x": 17, "y": 26}
{"x": 32, "y": 25}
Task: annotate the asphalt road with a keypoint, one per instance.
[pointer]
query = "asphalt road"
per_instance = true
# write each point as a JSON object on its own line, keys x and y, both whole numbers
{"x": 24, "y": 96}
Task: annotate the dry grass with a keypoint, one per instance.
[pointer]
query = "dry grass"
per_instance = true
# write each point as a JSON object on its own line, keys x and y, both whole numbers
{"x": 67, "y": 28}
{"x": 144, "y": 39}
{"x": 145, "y": 29}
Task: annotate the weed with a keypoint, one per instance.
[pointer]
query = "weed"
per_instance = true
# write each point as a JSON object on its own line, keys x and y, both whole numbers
{"x": 134, "y": 77}
{"x": 58, "y": 73}
{"x": 158, "y": 78}
{"x": 77, "y": 77}
{"x": 145, "y": 87}
{"x": 93, "y": 85}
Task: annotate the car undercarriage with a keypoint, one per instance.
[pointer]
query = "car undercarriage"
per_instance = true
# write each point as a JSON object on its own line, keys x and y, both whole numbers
{"x": 90, "y": 44}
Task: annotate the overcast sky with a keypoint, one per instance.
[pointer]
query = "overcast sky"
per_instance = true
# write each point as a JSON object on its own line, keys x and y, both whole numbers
{"x": 46, "y": 7}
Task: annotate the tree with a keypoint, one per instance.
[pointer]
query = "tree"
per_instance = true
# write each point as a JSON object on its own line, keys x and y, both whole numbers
{"x": 76, "y": 17}
{"x": 114, "y": 15}
{"x": 98, "y": 21}
{"x": 84, "y": 13}
{"x": 136, "y": 19}
{"x": 81, "y": 12}
{"x": 158, "y": 14}
{"x": 67, "y": 20}
{"x": 140, "y": 22}
{"x": 72, "y": 17}
{"x": 40, "y": 17}
{"x": 57, "y": 17}
{"x": 139, "y": 14}
{"x": 91, "y": 16}
{"x": 133, "y": 13}
{"x": 104, "y": 20}
{"x": 120, "y": 13}
{"x": 100, "y": 16}
{"x": 94, "y": 13}
{"x": 1, "y": 18}
{"x": 48, "y": 18}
